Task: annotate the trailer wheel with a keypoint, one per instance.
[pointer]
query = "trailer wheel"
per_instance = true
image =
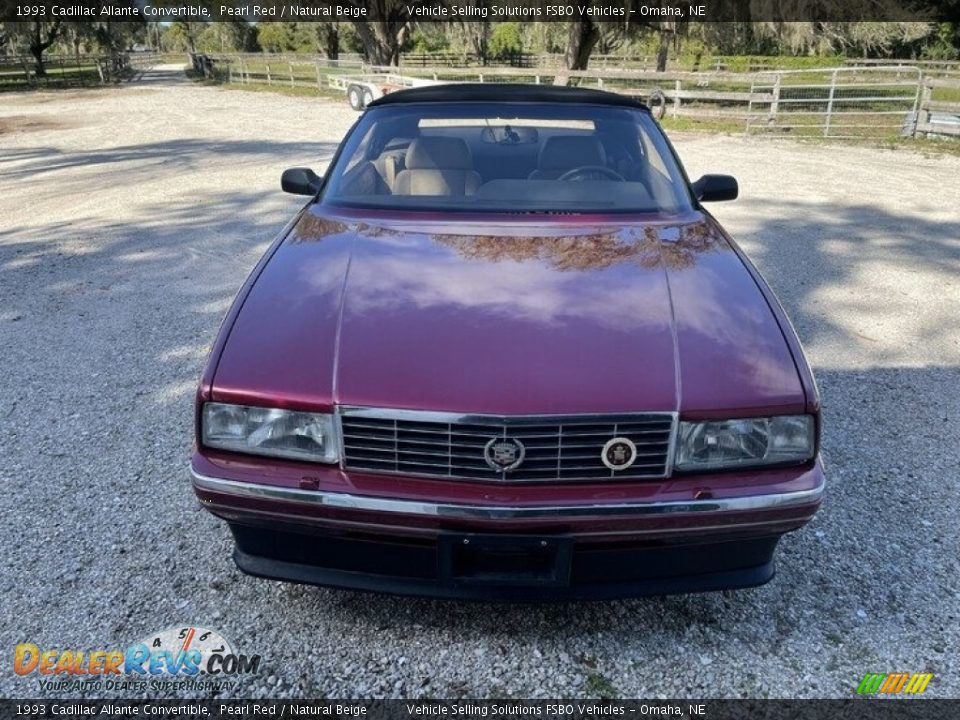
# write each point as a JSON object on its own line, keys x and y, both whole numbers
{"x": 367, "y": 96}
{"x": 657, "y": 102}
{"x": 355, "y": 97}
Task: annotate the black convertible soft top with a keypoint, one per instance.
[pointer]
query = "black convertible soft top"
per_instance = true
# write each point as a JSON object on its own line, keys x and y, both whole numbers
{"x": 505, "y": 92}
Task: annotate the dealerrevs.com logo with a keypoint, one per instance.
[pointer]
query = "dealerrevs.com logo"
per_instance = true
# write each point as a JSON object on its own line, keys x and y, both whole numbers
{"x": 190, "y": 657}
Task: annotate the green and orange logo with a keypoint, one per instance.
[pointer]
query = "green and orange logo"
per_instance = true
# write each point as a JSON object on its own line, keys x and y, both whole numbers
{"x": 894, "y": 683}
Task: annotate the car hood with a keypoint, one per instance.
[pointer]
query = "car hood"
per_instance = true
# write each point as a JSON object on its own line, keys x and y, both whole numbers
{"x": 508, "y": 317}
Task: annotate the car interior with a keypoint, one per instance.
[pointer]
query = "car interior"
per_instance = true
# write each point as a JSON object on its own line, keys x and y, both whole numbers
{"x": 529, "y": 164}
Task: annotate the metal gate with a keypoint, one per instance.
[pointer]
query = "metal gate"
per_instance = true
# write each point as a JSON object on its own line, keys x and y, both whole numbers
{"x": 849, "y": 102}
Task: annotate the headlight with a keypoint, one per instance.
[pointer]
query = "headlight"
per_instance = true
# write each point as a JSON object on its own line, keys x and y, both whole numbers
{"x": 745, "y": 443}
{"x": 269, "y": 431}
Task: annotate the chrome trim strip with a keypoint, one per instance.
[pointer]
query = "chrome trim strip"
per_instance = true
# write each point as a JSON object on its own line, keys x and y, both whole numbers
{"x": 672, "y": 447}
{"x": 344, "y": 501}
{"x": 422, "y": 531}
{"x": 468, "y": 419}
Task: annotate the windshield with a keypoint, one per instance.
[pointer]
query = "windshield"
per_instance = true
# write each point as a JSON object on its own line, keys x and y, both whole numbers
{"x": 508, "y": 157}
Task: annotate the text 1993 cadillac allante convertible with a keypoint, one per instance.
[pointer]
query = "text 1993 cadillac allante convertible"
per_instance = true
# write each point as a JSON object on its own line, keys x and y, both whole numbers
{"x": 504, "y": 353}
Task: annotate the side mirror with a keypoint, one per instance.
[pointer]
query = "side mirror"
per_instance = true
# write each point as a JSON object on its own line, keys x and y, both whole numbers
{"x": 301, "y": 181}
{"x": 713, "y": 188}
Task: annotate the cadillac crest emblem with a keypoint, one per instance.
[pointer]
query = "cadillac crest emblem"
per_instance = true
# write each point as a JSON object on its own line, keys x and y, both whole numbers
{"x": 504, "y": 454}
{"x": 619, "y": 453}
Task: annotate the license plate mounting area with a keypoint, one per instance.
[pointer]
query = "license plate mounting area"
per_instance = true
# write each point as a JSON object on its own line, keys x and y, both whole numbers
{"x": 520, "y": 560}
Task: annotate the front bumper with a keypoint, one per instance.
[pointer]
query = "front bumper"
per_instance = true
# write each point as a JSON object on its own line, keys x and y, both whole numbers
{"x": 510, "y": 551}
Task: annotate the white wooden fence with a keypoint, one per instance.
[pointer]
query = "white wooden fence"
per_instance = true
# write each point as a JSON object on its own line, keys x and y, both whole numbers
{"x": 879, "y": 101}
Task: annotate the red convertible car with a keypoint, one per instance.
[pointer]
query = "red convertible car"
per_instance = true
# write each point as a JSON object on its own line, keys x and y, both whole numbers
{"x": 504, "y": 353}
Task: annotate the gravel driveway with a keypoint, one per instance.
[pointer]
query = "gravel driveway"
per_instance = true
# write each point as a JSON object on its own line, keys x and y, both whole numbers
{"x": 130, "y": 216}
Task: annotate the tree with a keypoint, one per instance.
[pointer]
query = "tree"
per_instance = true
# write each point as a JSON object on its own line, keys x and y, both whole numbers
{"x": 663, "y": 50}
{"x": 185, "y": 33}
{"x": 582, "y": 37}
{"x": 228, "y": 36}
{"x": 874, "y": 39}
{"x": 387, "y": 26}
{"x": 382, "y": 39}
{"x": 40, "y": 36}
{"x": 945, "y": 43}
{"x": 584, "y": 34}
{"x": 478, "y": 33}
{"x": 277, "y": 37}
{"x": 328, "y": 38}
{"x": 430, "y": 38}
{"x": 505, "y": 40}
{"x": 78, "y": 35}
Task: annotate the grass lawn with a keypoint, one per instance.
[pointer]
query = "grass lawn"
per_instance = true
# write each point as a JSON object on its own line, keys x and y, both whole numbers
{"x": 14, "y": 78}
{"x": 67, "y": 75}
{"x": 258, "y": 84}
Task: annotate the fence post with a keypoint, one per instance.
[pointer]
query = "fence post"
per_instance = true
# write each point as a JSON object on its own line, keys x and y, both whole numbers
{"x": 775, "y": 102}
{"x": 676, "y": 100}
{"x": 922, "y": 113}
{"x": 83, "y": 80}
{"x": 269, "y": 80}
{"x": 230, "y": 73}
{"x": 833, "y": 85}
{"x": 291, "y": 74}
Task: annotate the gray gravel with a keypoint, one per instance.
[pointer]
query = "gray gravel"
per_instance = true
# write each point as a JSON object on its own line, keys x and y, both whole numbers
{"x": 129, "y": 217}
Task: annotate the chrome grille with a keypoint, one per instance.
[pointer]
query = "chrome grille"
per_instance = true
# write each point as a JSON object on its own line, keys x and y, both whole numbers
{"x": 450, "y": 445}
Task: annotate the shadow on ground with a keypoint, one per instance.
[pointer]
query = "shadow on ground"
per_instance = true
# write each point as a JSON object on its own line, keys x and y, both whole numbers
{"x": 169, "y": 156}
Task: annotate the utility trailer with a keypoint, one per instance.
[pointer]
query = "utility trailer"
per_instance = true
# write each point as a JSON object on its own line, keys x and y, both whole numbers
{"x": 361, "y": 90}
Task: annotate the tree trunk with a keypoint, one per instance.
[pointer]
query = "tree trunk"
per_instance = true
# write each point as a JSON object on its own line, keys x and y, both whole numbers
{"x": 38, "y": 68}
{"x": 663, "y": 50}
{"x": 581, "y": 40}
{"x": 480, "y": 36}
{"x": 331, "y": 40}
{"x": 39, "y": 43}
{"x": 382, "y": 40}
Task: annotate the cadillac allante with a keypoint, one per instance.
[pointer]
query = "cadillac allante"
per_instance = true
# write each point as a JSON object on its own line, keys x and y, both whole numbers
{"x": 505, "y": 353}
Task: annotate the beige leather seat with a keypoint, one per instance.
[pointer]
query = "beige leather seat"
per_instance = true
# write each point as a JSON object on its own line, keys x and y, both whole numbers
{"x": 562, "y": 153}
{"x": 437, "y": 166}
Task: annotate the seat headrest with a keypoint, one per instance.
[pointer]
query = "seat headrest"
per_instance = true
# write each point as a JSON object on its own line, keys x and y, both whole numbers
{"x": 571, "y": 151}
{"x": 438, "y": 153}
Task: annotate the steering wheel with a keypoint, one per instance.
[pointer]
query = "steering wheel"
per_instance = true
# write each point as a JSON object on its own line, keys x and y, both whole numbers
{"x": 591, "y": 172}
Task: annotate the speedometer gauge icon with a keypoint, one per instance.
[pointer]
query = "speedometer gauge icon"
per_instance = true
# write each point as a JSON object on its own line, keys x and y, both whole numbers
{"x": 177, "y": 640}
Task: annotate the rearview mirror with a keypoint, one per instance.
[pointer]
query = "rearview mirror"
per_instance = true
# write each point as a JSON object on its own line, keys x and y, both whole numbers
{"x": 712, "y": 188}
{"x": 301, "y": 181}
